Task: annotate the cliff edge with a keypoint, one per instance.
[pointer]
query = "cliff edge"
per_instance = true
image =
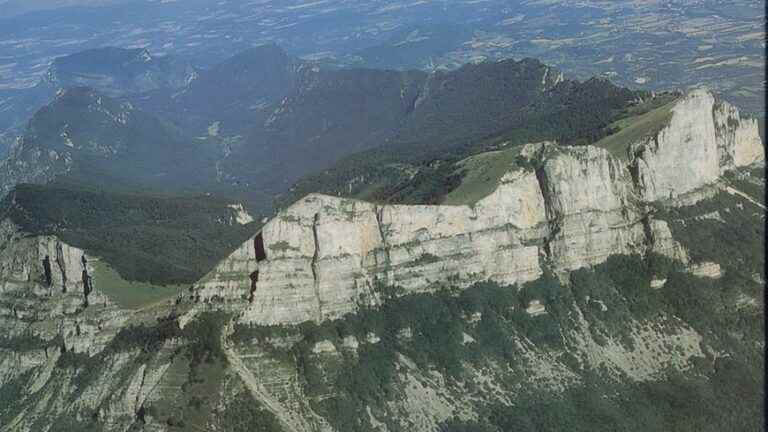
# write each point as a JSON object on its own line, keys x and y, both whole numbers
{"x": 560, "y": 208}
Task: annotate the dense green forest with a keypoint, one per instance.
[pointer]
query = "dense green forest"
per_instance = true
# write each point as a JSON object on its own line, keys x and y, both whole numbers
{"x": 419, "y": 164}
{"x": 693, "y": 400}
{"x": 164, "y": 239}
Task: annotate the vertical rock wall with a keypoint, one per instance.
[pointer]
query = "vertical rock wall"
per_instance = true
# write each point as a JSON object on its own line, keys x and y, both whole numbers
{"x": 46, "y": 289}
{"x": 571, "y": 207}
{"x": 703, "y": 139}
{"x": 591, "y": 210}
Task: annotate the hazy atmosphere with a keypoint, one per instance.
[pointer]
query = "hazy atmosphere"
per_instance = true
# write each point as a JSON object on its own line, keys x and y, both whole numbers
{"x": 382, "y": 215}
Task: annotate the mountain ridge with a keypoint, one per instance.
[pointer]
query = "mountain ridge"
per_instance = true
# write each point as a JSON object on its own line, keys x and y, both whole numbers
{"x": 582, "y": 312}
{"x": 565, "y": 282}
{"x": 85, "y": 135}
{"x": 115, "y": 72}
{"x": 540, "y": 209}
{"x": 273, "y": 107}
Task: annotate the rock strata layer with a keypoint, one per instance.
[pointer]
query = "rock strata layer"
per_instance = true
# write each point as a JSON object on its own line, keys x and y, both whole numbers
{"x": 47, "y": 291}
{"x": 570, "y": 207}
{"x": 704, "y": 138}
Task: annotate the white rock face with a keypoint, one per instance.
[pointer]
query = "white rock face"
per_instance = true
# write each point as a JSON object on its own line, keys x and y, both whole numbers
{"x": 48, "y": 283}
{"x": 231, "y": 277}
{"x": 573, "y": 207}
{"x": 241, "y": 214}
{"x": 324, "y": 256}
{"x": 535, "y": 308}
{"x": 50, "y": 301}
{"x": 703, "y": 139}
{"x": 589, "y": 207}
{"x": 738, "y": 138}
{"x": 706, "y": 270}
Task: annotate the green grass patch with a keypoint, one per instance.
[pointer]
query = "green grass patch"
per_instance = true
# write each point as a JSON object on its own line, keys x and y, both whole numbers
{"x": 481, "y": 175}
{"x": 634, "y": 128}
{"x": 130, "y": 294}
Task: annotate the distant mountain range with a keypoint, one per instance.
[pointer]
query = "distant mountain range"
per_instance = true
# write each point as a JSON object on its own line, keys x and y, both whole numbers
{"x": 612, "y": 281}
{"x": 111, "y": 71}
{"x": 258, "y": 122}
{"x": 119, "y": 72}
{"x": 99, "y": 140}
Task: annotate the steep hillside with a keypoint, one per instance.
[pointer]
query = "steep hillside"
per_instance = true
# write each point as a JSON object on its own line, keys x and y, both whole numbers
{"x": 161, "y": 239}
{"x": 115, "y": 72}
{"x": 118, "y": 71}
{"x": 573, "y": 295}
{"x": 99, "y": 140}
{"x": 462, "y": 113}
{"x": 234, "y": 95}
{"x": 279, "y": 118}
{"x": 334, "y": 114}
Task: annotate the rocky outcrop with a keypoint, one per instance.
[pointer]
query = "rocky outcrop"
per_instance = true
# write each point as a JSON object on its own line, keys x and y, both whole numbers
{"x": 591, "y": 210}
{"x": 564, "y": 208}
{"x": 738, "y": 138}
{"x": 559, "y": 209}
{"x": 324, "y": 256}
{"x": 47, "y": 291}
{"x": 59, "y": 325}
{"x": 704, "y": 138}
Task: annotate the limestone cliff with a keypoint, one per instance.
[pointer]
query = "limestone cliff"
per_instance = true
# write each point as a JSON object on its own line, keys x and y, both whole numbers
{"x": 323, "y": 255}
{"x": 70, "y": 357}
{"x": 565, "y": 208}
{"x": 59, "y": 356}
{"x": 47, "y": 291}
{"x": 704, "y": 138}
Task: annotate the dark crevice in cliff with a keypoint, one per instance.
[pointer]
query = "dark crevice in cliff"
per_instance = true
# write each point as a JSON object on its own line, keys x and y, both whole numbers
{"x": 380, "y": 226}
{"x": 141, "y": 415}
{"x": 254, "y": 281}
{"x": 634, "y": 173}
{"x": 62, "y": 267}
{"x": 636, "y": 155}
{"x": 137, "y": 402}
{"x": 258, "y": 245}
{"x": 47, "y": 273}
{"x": 379, "y": 222}
{"x": 648, "y": 232}
{"x": 553, "y": 220}
{"x": 87, "y": 281}
{"x": 315, "y": 266}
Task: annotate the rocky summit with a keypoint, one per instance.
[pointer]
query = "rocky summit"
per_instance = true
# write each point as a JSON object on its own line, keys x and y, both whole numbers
{"x": 590, "y": 279}
{"x": 567, "y": 208}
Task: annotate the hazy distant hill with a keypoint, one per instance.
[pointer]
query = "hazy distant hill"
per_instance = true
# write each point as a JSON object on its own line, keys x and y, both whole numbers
{"x": 280, "y": 118}
{"x": 258, "y": 122}
{"x": 119, "y": 71}
{"x": 97, "y": 139}
{"x": 111, "y": 71}
{"x": 233, "y": 95}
